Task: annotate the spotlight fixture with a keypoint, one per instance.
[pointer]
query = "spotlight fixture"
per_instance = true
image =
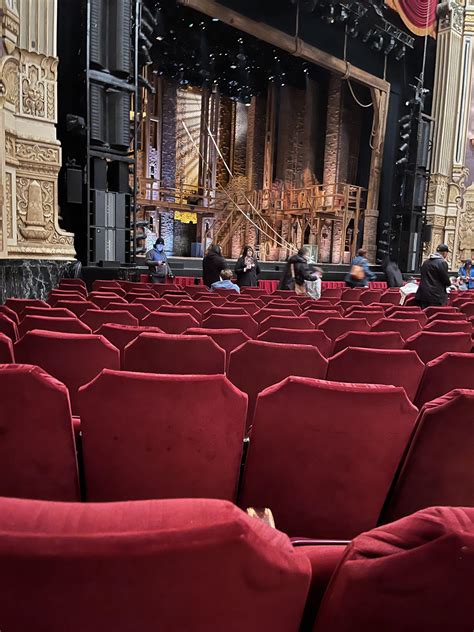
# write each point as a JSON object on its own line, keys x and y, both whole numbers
{"x": 329, "y": 13}
{"x": 367, "y": 36}
{"x": 390, "y": 46}
{"x": 402, "y": 161}
{"x": 401, "y": 53}
{"x": 377, "y": 42}
{"x": 353, "y": 29}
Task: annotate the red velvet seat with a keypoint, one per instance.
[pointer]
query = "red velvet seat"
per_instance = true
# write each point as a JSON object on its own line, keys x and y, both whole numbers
{"x": 105, "y": 284}
{"x": 414, "y": 574}
{"x": 49, "y": 312}
{"x": 347, "y": 305}
{"x": 331, "y": 293}
{"x": 444, "y": 374}
{"x": 323, "y": 455}
{"x": 6, "y": 350}
{"x": 227, "y": 339}
{"x": 390, "y": 297}
{"x": 102, "y": 300}
{"x": 19, "y": 304}
{"x": 146, "y": 566}
{"x": 265, "y": 312}
{"x": 369, "y": 340}
{"x": 201, "y": 306}
{"x": 214, "y": 298}
{"x": 65, "y": 295}
{"x": 377, "y": 366}
{"x": 95, "y": 318}
{"x": 293, "y": 306}
{"x": 251, "y": 307}
{"x": 174, "y": 354}
{"x": 448, "y": 326}
{"x": 430, "y": 345}
{"x": 406, "y": 328}
{"x": 68, "y": 325}
{"x": 184, "y": 442}
{"x": 151, "y": 303}
{"x": 451, "y": 316}
{"x": 116, "y": 289}
{"x": 370, "y": 296}
{"x": 174, "y": 299}
{"x": 222, "y": 311}
{"x": 256, "y": 365}
{"x": 73, "y": 283}
{"x": 74, "y": 359}
{"x": 253, "y": 291}
{"x": 442, "y": 309}
{"x": 321, "y": 305}
{"x": 136, "y": 310}
{"x": 180, "y": 309}
{"x": 285, "y": 322}
{"x": 367, "y": 309}
{"x": 170, "y": 323}
{"x": 37, "y": 450}
{"x": 121, "y": 335}
{"x": 8, "y": 327}
{"x": 245, "y": 323}
{"x": 371, "y": 316}
{"x": 76, "y": 307}
{"x": 419, "y": 316}
{"x": 467, "y": 309}
{"x": 335, "y": 327}
{"x": 352, "y": 294}
{"x": 132, "y": 297}
{"x": 312, "y": 337}
{"x": 6, "y": 311}
{"x": 320, "y": 315}
{"x": 437, "y": 469}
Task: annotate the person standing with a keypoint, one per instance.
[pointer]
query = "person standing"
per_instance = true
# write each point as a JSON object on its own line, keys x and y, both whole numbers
{"x": 466, "y": 272}
{"x": 212, "y": 265}
{"x": 392, "y": 272}
{"x": 434, "y": 279}
{"x": 247, "y": 268}
{"x": 157, "y": 262}
{"x": 296, "y": 272}
{"x": 360, "y": 273}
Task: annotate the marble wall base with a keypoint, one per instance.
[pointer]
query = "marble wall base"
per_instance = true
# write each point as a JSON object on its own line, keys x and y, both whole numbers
{"x": 33, "y": 278}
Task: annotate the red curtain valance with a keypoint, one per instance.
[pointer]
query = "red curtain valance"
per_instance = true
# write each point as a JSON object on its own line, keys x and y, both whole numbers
{"x": 418, "y": 15}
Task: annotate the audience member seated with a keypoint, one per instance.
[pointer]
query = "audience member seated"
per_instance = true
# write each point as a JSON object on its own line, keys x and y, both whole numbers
{"x": 225, "y": 282}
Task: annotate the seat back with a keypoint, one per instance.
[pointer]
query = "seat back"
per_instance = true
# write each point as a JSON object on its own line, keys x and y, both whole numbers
{"x": 369, "y": 340}
{"x": 8, "y": 327}
{"x": 320, "y": 456}
{"x": 467, "y": 308}
{"x": 390, "y": 297}
{"x": 335, "y": 327}
{"x": 74, "y": 359}
{"x": 226, "y": 321}
{"x": 444, "y": 374}
{"x": 19, "y": 304}
{"x": 437, "y": 469}
{"x": 370, "y": 296}
{"x": 37, "y": 450}
{"x": 161, "y": 450}
{"x": 151, "y": 303}
{"x": 49, "y": 312}
{"x": 433, "y": 549}
{"x": 76, "y": 307}
{"x": 448, "y": 326}
{"x": 137, "y": 311}
{"x": 406, "y": 328}
{"x": 377, "y": 366}
{"x": 170, "y": 323}
{"x": 174, "y": 354}
{"x": 201, "y": 306}
{"x": 265, "y": 312}
{"x": 317, "y": 316}
{"x": 405, "y": 315}
{"x": 121, "y": 335}
{"x": 371, "y": 316}
{"x": 133, "y": 562}
{"x": 181, "y": 309}
{"x": 312, "y": 337}
{"x": 222, "y": 311}
{"x": 69, "y": 325}
{"x": 95, "y": 318}
{"x": 256, "y": 365}
{"x": 285, "y": 322}
{"x": 429, "y": 345}
{"x": 227, "y": 339}
{"x": 6, "y": 350}
{"x": 6, "y": 311}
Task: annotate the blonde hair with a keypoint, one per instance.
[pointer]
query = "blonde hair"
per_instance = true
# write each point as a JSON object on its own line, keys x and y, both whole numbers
{"x": 226, "y": 275}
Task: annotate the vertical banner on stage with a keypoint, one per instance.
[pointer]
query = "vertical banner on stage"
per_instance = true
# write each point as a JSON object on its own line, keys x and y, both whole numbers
{"x": 418, "y": 15}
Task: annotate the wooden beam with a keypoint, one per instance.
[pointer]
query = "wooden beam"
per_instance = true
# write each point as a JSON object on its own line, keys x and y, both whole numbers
{"x": 292, "y": 45}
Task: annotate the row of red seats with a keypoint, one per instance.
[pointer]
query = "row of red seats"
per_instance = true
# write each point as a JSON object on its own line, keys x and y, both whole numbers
{"x": 204, "y": 565}
{"x": 331, "y": 460}
{"x": 252, "y": 366}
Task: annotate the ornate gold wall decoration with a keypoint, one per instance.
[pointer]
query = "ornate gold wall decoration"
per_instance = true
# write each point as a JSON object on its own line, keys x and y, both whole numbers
{"x": 38, "y": 85}
{"x": 10, "y": 80}
{"x": 9, "y": 205}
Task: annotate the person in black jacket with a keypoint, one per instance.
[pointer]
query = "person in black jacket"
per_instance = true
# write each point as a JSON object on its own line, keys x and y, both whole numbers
{"x": 296, "y": 272}
{"x": 212, "y": 265}
{"x": 434, "y": 279}
{"x": 247, "y": 268}
{"x": 392, "y": 273}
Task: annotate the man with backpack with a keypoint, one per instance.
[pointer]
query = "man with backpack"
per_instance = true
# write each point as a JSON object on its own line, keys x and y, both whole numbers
{"x": 360, "y": 273}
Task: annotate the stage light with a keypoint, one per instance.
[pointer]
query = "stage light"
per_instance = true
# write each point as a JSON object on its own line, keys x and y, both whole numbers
{"x": 390, "y": 46}
{"x": 367, "y": 36}
{"x": 343, "y": 14}
{"x": 405, "y": 137}
{"x": 401, "y": 53}
{"x": 377, "y": 42}
{"x": 353, "y": 29}
{"x": 405, "y": 118}
{"x": 402, "y": 161}
{"x": 329, "y": 14}
{"x": 403, "y": 147}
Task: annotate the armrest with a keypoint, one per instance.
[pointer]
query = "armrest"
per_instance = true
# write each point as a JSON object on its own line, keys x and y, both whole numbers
{"x": 310, "y": 542}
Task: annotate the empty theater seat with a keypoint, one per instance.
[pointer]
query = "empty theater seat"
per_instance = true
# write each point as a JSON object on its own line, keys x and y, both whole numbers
{"x": 265, "y": 312}
{"x": 414, "y": 574}
{"x": 430, "y": 345}
{"x": 6, "y": 349}
{"x": 377, "y": 366}
{"x": 335, "y": 327}
{"x": 371, "y": 316}
{"x": 442, "y": 309}
{"x": 95, "y": 318}
{"x": 369, "y": 340}
{"x": 6, "y": 311}
{"x": 437, "y": 469}
{"x": 8, "y": 327}
{"x": 323, "y": 455}
{"x": 406, "y": 328}
{"x": 49, "y": 312}
{"x": 167, "y": 353}
{"x": 405, "y": 315}
{"x": 445, "y": 373}
{"x": 450, "y": 316}
{"x": 19, "y": 304}
{"x": 186, "y": 441}
{"x": 102, "y": 300}
{"x": 170, "y": 323}
{"x": 37, "y": 450}
{"x": 180, "y": 309}
{"x": 136, "y": 310}
{"x": 121, "y": 335}
{"x": 313, "y": 337}
{"x": 145, "y": 566}
{"x": 449, "y": 326}
{"x": 227, "y": 339}
{"x": 285, "y": 322}
{"x": 370, "y": 296}
{"x": 201, "y": 306}
{"x": 245, "y": 323}
{"x": 151, "y": 303}
{"x": 256, "y": 365}
{"x": 69, "y": 325}
{"x": 219, "y": 311}
{"x": 74, "y": 359}
{"x": 317, "y": 316}
{"x": 76, "y": 307}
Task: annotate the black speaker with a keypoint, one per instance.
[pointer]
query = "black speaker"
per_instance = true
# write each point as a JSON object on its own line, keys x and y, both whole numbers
{"x": 120, "y": 209}
{"x": 118, "y": 117}
{"x": 73, "y": 186}
{"x": 424, "y": 145}
{"x": 98, "y": 178}
{"x": 119, "y": 20}
{"x": 98, "y": 132}
{"x": 98, "y": 208}
{"x": 98, "y": 33}
{"x": 118, "y": 177}
{"x": 427, "y": 233}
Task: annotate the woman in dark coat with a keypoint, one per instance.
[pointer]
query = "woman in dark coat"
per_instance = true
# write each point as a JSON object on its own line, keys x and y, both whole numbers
{"x": 247, "y": 268}
{"x": 296, "y": 265}
{"x": 212, "y": 265}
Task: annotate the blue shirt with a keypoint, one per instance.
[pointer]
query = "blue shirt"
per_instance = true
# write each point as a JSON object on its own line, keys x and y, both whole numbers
{"x": 225, "y": 285}
{"x": 463, "y": 273}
